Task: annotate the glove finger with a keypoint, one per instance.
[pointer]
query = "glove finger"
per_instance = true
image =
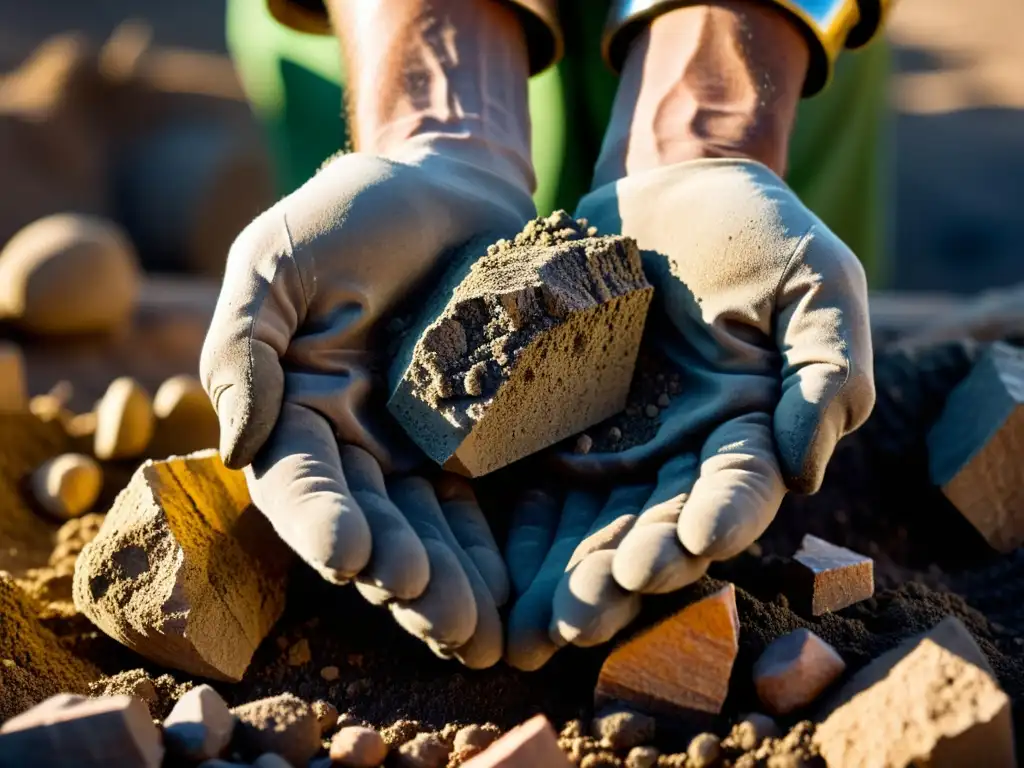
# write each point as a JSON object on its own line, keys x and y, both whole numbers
{"x": 824, "y": 335}
{"x": 529, "y": 643}
{"x": 589, "y": 607}
{"x": 650, "y": 559}
{"x": 738, "y": 492}
{"x": 466, "y": 519}
{"x": 398, "y": 567}
{"x": 446, "y": 611}
{"x": 297, "y": 481}
{"x": 261, "y": 304}
{"x": 530, "y": 535}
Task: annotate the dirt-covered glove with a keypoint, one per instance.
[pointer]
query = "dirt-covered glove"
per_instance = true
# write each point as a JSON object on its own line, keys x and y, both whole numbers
{"x": 759, "y": 328}
{"x": 290, "y": 361}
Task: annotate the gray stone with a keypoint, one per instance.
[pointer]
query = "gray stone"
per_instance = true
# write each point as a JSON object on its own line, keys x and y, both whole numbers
{"x": 200, "y": 725}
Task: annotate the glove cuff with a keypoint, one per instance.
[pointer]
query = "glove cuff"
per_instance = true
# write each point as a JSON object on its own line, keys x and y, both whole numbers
{"x": 829, "y": 26}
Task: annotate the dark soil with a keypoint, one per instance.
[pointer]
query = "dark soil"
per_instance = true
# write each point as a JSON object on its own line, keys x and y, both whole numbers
{"x": 876, "y": 500}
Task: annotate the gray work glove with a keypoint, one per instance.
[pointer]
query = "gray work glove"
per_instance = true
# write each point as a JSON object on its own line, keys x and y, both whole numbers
{"x": 760, "y": 314}
{"x": 291, "y": 363}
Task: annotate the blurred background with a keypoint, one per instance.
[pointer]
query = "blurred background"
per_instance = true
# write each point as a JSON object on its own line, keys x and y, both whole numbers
{"x": 70, "y": 140}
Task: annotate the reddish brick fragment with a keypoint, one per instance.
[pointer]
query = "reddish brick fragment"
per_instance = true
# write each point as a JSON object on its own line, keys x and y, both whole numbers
{"x": 794, "y": 670}
{"x": 830, "y": 578}
{"x": 532, "y": 744}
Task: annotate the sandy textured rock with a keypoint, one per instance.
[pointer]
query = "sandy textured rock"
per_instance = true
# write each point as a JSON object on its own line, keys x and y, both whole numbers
{"x": 532, "y": 744}
{"x": 976, "y": 447}
{"x": 26, "y": 441}
{"x": 13, "y": 389}
{"x": 285, "y": 725}
{"x": 200, "y": 725}
{"x": 67, "y": 486}
{"x": 830, "y": 578}
{"x": 87, "y": 733}
{"x": 794, "y": 669}
{"x": 424, "y": 750}
{"x": 184, "y": 570}
{"x": 124, "y": 421}
{"x": 932, "y": 701}
{"x": 33, "y": 664}
{"x": 553, "y": 318}
{"x": 69, "y": 274}
{"x": 680, "y": 665}
{"x": 185, "y": 419}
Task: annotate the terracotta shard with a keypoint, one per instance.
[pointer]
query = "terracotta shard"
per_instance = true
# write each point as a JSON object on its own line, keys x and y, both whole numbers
{"x": 185, "y": 571}
{"x": 794, "y": 669}
{"x": 88, "y": 733}
{"x": 932, "y": 701}
{"x": 555, "y": 317}
{"x": 532, "y": 744}
{"x": 976, "y": 447}
{"x": 830, "y": 578}
{"x": 679, "y": 666}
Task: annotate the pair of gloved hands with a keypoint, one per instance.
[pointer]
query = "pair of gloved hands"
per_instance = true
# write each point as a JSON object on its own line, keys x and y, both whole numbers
{"x": 758, "y": 306}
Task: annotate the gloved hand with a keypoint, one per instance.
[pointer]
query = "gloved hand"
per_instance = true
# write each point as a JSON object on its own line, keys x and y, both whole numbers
{"x": 290, "y": 363}
{"x": 760, "y": 322}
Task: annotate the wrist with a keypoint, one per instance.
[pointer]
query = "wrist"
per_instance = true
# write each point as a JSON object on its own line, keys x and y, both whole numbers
{"x": 721, "y": 79}
{"x": 449, "y": 75}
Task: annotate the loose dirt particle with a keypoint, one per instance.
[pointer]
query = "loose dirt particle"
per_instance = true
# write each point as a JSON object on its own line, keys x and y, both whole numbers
{"x": 299, "y": 653}
{"x": 68, "y": 485}
{"x": 326, "y": 715}
{"x": 424, "y": 750}
{"x": 358, "y": 747}
{"x": 330, "y": 674}
{"x": 642, "y": 757}
{"x": 705, "y": 750}
{"x": 124, "y": 421}
{"x": 282, "y": 724}
{"x": 623, "y": 729}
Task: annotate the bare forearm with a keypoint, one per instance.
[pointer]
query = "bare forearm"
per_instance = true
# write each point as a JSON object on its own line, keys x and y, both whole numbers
{"x": 455, "y": 70}
{"x": 716, "y": 80}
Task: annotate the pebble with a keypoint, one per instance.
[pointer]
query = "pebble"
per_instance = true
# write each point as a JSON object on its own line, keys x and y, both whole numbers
{"x": 200, "y": 725}
{"x": 299, "y": 653}
{"x": 425, "y": 750}
{"x": 68, "y": 485}
{"x": 326, "y": 715}
{"x": 330, "y": 674}
{"x": 600, "y": 760}
{"x": 614, "y": 434}
{"x": 583, "y": 444}
{"x": 651, "y": 411}
{"x": 642, "y": 757}
{"x": 283, "y": 724}
{"x": 623, "y": 729}
{"x": 472, "y": 739}
{"x": 358, "y": 747}
{"x": 704, "y": 751}
{"x": 400, "y": 732}
{"x": 663, "y": 400}
{"x": 752, "y": 730}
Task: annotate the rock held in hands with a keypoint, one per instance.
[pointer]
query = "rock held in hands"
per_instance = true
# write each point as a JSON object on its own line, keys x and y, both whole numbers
{"x": 555, "y": 317}
{"x": 185, "y": 571}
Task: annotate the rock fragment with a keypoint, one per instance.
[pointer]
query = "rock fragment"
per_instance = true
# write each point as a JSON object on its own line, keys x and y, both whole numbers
{"x": 113, "y": 730}
{"x": 200, "y": 725}
{"x": 358, "y": 747}
{"x": 642, "y": 757}
{"x": 285, "y": 725}
{"x": 473, "y": 739}
{"x": 185, "y": 571}
{"x": 932, "y": 701}
{"x": 13, "y": 388}
{"x": 326, "y": 716}
{"x": 532, "y": 744}
{"x": 830, "y": 578}
{"x": 124, "y": 421}
{"x": 69, "y": 274}
{"x": 553, "y": 317}
{"x": 704, "y": 750}
{"x": 975, "y": 447}
{"x": 794, "y": 669}
{"x": 680, "y": 666}
{"x": 68, "y": 485}
{"x": 749, "y": 732}
{"x": 623, "y": 729}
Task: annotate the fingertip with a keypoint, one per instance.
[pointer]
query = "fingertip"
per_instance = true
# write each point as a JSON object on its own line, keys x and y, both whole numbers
{"x": 446, "y": 612}
{"x": 651, "y": 560}
{"x": 589, "y": 607}
{"x": 728, "y": 511}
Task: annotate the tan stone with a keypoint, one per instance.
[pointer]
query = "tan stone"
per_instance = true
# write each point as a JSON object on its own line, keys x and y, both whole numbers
{"x": 185, "y": 419}
{"x": 69, "y": 274}
{"x": 185, "y": 571}
{"x": 13, "y": 389}
{"x": 484, "y": 378}
{"x": 680, "y": 665}
{"x": 200, "y": 725}
{"x": 358, "y": 747}
{"x": 927, "y": 703}
{"x": 830, "y": 578}
{"x": 124, "y": 421}
{"x": 284, "y": 724}
{"x": 976, "y": 447}
{"x": 794, "y": 669}
{"x": 88, "y": 733}
{"x": 68, "y": 485}
{"x": 532, "y": 744}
